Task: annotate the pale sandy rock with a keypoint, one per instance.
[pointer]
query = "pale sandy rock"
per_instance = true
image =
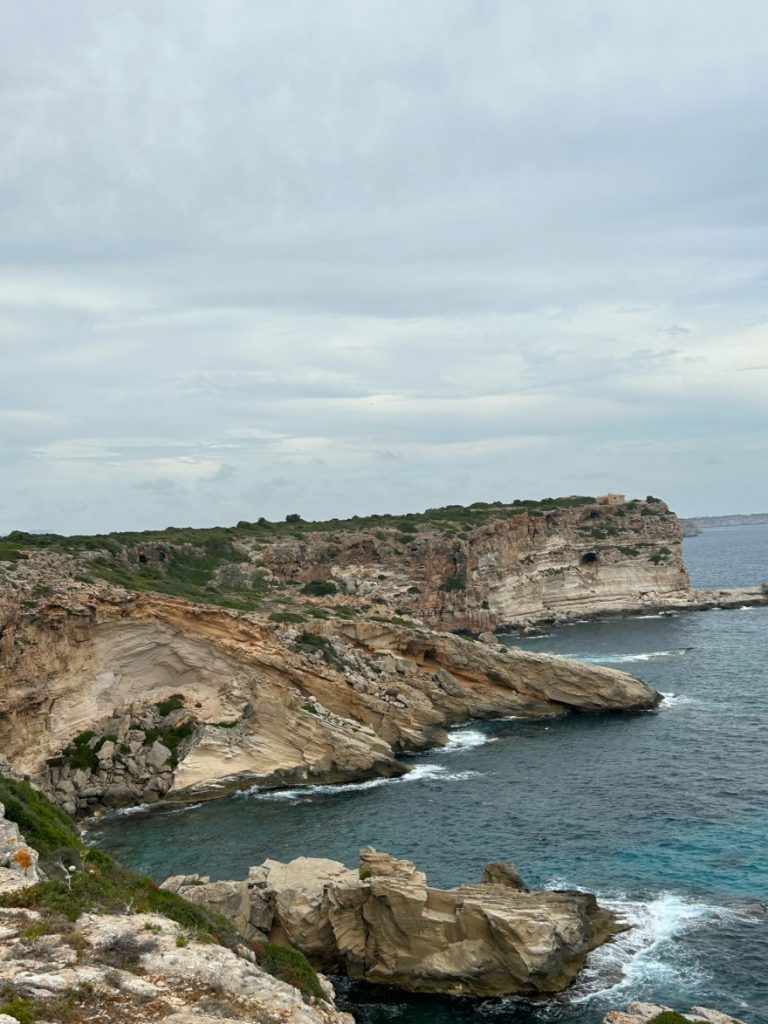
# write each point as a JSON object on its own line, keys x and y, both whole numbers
{"x": 641, "y": 1013}
{"x": 385, "y": 924}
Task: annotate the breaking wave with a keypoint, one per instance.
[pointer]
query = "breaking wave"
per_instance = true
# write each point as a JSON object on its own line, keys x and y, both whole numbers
{"x": 421, "y": 773}
{"x": 620, "y": 659}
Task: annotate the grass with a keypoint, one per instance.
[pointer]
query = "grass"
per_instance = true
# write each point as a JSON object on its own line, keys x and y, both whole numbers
{"x": 102, "y": 885}
{"x": 45, "y": 827}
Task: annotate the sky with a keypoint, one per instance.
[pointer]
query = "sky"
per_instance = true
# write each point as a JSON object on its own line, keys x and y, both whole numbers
{"x": 261, "y": 257}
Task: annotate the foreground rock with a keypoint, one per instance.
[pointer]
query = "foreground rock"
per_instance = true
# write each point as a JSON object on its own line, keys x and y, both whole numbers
{"x": 142, "y": 967}
{"x": 130, "y": 966}
{"x": 644, "y": 1013}
{"x": 87, "y": 686}
{"x": 383, "y": 923}
{"x": 18, "y": 861}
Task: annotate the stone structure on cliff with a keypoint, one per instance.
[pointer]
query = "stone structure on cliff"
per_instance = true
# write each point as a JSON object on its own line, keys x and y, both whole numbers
{"x": 383, "y": 923}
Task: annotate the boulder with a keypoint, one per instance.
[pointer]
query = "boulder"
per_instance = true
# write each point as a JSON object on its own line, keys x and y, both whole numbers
{"x": 384, "y": 923}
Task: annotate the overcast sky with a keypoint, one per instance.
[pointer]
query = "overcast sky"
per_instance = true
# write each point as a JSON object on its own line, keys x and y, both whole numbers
{"x": 272, "y": 256}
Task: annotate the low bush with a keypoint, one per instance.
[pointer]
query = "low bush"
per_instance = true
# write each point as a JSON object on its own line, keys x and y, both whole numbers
{"x": 319, "y": 588}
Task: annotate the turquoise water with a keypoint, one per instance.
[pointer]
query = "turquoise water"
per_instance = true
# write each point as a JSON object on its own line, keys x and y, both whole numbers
{"x": 663, "y": 814}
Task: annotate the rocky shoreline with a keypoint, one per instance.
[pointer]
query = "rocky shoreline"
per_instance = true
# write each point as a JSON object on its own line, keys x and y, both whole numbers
{"x": 382, "y": 923}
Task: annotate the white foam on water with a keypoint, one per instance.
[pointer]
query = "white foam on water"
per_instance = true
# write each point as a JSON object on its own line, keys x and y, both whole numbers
{"x": 464, "y": 739}
{"x": 421, "y": 773}
{"x": 620, "y": 659}
{"x": 184, "y": 809}
{"x": 126, "y": 812}
{"x": 640, "y": 956}
{"x": 674, "y": 700}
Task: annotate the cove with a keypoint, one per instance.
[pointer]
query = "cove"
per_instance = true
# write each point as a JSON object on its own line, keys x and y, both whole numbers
{"x": 660, "y": 813}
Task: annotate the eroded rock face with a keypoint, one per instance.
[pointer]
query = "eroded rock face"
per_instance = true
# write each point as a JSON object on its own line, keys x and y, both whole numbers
{"x": 641, "y": 1013}
{"x": 525, "y": 565}
{"x": 145, "y": 967}
{"x": 383, "y": 923}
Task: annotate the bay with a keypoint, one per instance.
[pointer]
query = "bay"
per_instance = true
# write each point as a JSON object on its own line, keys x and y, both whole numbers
{"x": 663, "y": 814}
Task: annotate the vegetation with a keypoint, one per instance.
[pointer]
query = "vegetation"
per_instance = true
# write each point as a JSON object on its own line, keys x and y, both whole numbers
{"x": 319, "y": 588}
{"x": 669, "y": 1017}
{"x": 101, "y": 885}
{"x": 173, "y": 703}
{"x": 45, "y": 827}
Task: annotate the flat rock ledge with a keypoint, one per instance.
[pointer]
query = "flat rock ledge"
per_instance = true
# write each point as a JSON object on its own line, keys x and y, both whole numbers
{"x": 383, "y": 923}
{"x": 644, "y": 1013}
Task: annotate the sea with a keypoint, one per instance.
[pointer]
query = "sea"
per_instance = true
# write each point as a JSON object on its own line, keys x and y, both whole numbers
{"x": 662, "y": 814}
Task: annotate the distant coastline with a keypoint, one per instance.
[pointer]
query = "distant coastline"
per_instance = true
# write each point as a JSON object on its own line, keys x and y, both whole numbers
{"x": 694, "y": 525}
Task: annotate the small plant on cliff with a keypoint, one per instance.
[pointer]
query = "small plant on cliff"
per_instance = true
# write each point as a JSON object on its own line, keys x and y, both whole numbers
{"x": 668, "y": 1017}
{"x": 457, "y": 582}
{"x": 319, "y": 588}
{"x": 22, "y": 1010}
{"x": 173, "y": 703}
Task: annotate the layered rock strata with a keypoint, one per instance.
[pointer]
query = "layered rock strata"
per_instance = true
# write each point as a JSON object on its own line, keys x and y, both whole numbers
{"x": 526, "y": 565}
{"x": 383, "y": 923}
{"x": 84, "y": 684}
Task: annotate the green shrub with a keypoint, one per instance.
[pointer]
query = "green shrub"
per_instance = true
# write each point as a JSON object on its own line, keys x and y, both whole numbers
{"x": 457, "y": 582}
{"x": 172, "y": 703}
{"x": 24, "y": 1010}
{"x": 43, "y": 825}
{"x": 286, "y": 617}
{"x": 669, "y": 1017}
{"x": 319, "y": 588}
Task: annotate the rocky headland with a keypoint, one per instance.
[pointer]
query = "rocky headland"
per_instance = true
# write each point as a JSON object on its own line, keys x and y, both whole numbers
{"x": 381, "y": 922}
{"x": 136, "y": 668}
{"x": 126, "y": 699}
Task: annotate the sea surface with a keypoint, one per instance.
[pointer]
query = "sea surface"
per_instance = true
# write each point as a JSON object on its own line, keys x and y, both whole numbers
{"x": 663, "y": 814}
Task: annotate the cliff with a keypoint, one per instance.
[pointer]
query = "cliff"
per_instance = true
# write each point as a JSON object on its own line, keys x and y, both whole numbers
{"x": 552, "y": 560}
{"x": 188, "y": 663}
{"x": 124, "y": 699}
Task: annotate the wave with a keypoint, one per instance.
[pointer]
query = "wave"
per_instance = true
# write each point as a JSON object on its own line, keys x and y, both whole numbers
{"x": 673, "y": 700}
{"x": 620, "y": 659}
{"x": 421, "y": 773}
{"x": 464, "y": 739}
{"x": 126, "y": 812}
{"x": 640, "y": 956}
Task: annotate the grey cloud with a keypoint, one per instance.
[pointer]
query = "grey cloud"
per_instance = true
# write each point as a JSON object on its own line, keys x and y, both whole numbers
{"x": 500, "y": 246}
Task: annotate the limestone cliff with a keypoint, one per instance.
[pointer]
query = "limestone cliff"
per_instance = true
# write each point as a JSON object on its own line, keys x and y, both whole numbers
{"x": 134, "y": 698}
{"x": 383, "y": 923}
{"x": 523, "y": 564}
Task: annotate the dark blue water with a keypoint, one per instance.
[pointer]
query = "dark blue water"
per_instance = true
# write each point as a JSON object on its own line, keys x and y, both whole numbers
{"x": 664, "y": 814}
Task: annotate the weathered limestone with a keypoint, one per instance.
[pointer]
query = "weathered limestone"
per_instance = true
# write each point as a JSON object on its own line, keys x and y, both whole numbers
{"x": 260, "y": 706}
{"x": 641, "y": 1013}
{"x": 18, "y": 861}
{"x": 134, "y": 963}
{"x": 385, "y": 924}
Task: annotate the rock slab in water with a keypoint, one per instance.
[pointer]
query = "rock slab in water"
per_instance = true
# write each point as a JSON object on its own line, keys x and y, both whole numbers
{"x": 383, "y": 923}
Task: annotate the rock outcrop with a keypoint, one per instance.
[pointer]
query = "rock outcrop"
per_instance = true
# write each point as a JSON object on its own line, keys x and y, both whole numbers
{"x": 585, "y": 557}
{"x": 18, "y": 861}
{"x": 643, "y": 1013}
{"x": 85, "y": 685}
{"x": 383, "y": 923}
{"x": 129, "y": 966}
